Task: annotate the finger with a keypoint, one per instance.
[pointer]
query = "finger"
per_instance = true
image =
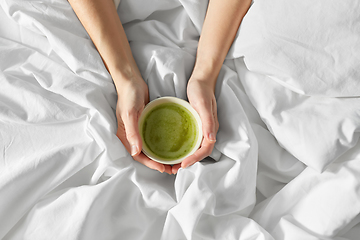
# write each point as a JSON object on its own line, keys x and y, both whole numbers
{"x": 143, "y": 159}
{"x": 168, "y": 169}
{"x": 208, "y": 118}
{"x": 175, "y": 168}
{"x": 130, "y": 120}
{"x": 204, "y": 151}
{"x": 122, "y": 136}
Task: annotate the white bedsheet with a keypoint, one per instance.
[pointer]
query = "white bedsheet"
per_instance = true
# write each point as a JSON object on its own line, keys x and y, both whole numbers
{"x": 286, "y": 161}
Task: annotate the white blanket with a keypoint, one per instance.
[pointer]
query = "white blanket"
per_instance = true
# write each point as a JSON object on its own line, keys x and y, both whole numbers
{"x": 286, "y": 161}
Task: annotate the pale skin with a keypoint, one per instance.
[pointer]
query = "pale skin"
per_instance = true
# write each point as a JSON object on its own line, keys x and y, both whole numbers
{"x": 103, "y": 25}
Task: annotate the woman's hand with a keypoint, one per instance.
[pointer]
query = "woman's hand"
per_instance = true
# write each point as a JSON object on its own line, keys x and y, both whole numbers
{"x": 222, "y": 20}
{"x": 202, "y": 98}
{"x": 132, "y": 97}
{"x": 101, "y": 21}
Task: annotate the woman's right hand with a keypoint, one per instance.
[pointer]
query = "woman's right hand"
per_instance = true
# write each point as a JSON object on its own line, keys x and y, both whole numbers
{"x": 103, "y": 25}
{"x": 133, "y": 95}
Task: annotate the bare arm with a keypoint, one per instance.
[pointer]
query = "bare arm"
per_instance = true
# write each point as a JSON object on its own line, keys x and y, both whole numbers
{"x": 221, "y": 23}
{"x": 103, "y": 25}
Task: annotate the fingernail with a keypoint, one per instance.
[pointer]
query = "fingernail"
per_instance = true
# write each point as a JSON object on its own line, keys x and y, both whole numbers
{"x": 161, "y": 170}
{"x": 212, "y": 137}
{"x": 134, "y": 150}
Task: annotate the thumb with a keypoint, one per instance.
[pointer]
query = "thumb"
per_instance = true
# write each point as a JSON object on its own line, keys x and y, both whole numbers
{"x": 209, "y": 121}
{"x": 132, "y": 132}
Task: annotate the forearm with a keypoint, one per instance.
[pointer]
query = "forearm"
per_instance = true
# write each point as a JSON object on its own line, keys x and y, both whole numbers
{"x": 103, "y": 25}
{"x": 221, "y": 23}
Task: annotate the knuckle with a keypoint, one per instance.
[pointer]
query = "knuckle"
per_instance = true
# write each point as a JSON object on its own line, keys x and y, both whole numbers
{"x": 208, "y": 152}
{"x": 207, "y": 149}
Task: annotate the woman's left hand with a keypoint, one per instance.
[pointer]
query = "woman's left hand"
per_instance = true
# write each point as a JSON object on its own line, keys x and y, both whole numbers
{"x": 202, "y": 98}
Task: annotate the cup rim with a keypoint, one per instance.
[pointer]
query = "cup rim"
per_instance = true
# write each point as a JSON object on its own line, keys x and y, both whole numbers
{"x": 176, "y": 100}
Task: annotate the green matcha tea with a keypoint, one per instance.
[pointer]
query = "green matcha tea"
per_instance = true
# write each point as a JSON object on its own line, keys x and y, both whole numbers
{"x": 170, "y": 131}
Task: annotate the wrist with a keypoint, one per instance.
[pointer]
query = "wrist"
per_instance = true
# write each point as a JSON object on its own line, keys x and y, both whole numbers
{"x": 125, "y": 74}
{"x": 206, "y": 71}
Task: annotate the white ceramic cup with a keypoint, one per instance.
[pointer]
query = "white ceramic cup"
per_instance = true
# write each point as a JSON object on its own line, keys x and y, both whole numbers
{"x": 150, "y": 106}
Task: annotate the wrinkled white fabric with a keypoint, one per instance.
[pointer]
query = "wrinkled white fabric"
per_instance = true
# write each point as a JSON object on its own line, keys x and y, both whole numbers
{"x": 305, "y": 53}
{"x": 310, "y": 47}
{"x": 316, "y": 130}
{"x": 281, "y": 167}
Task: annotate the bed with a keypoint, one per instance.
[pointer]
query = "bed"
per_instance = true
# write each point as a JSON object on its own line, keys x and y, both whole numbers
{"x": 286, "y": 164}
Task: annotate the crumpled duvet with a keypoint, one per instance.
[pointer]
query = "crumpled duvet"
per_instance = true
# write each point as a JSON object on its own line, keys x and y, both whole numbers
{"x": 285, "y": 164}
